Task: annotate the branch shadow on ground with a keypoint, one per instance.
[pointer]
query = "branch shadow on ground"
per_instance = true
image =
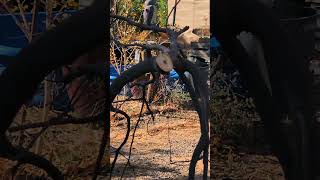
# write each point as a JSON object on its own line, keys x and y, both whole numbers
{"x": 145, "y": 170}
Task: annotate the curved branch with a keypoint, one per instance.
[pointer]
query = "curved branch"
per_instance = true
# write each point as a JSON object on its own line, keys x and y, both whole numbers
{"x": 199, "y": 95}
{"x": 26, "y": 157}
{"x": 125, "y": 139}
{"x": 66, "y": 42}
{"x": 58, "y": 121}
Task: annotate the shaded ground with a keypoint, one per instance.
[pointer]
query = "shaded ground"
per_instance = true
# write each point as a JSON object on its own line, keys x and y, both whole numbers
{"x": 229, "y": 163}
{"x": 244, "y": 161}
{"x": 74, "y": 148}
{"x": 162, "y": 149}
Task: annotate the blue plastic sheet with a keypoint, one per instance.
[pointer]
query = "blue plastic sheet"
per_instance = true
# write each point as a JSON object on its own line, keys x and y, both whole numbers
{"x": 114, "y": 74}
{"x": 12, "y": 36}
{"x": 214, "y": 43}
{"x": 12, "y": 39}
{"x": 9, "y": 51}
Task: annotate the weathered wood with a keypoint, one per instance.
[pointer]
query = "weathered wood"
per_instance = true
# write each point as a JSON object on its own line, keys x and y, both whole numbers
{"x": 164, "y": 62}
{"x": 200, "y": 45}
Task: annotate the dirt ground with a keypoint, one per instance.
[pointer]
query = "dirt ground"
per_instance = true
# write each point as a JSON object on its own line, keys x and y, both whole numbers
{"x": 247, "y": 160}
{"x": 74, "y": 148}
{"x": 174, "y": 133}
{"x": 162, "y": 149}
{"x": 230, "y": 164}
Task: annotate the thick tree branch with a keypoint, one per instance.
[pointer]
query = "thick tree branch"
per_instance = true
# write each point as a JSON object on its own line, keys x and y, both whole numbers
{"x": 153, "y": 28}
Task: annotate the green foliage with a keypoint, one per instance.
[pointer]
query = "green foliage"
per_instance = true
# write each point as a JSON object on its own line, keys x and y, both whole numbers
{"x": 137, "y": 9}
{"x": 162, "y": 6}
{"x": 134, "y": 10}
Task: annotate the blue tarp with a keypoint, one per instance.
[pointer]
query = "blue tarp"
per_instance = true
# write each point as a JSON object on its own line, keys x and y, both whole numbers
{"x": 173, "y": 75}
{"x": 12, "y": 36}
{"x": 12, "y": 39}
{"x": 113, "y": 71}
{"x": 214, "y": 43}
{"x": 8, "y": 51}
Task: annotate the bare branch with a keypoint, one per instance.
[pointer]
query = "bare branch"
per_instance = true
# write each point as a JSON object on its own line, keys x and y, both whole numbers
{"x": 153, "y": 28}
{"x": 183, "y": 30}
{"x": 14, "y": 18}
{"x": 25, "y": 22}
{"x": 144, "y": 46}
{"x": 174, "y": 7}
{"x": 58, "y": 121}
{"x": 35, "y": 11}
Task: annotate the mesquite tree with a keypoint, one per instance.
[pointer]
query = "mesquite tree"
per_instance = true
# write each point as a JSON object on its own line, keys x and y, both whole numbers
{"x": 167, "y": 59}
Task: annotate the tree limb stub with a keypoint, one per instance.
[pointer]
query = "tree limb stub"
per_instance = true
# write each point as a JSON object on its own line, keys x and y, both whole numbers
{"x": 164, "y": 62}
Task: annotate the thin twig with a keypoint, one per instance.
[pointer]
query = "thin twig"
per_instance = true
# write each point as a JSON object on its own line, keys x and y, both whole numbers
{"x": 34, "y": 17}
{"x": 144, "y": 46}
{"x": 18, "y": 23}
{"x": 153, "y": 28}
{"x": 25, "y": 22}
{"x": 124, "y": 141}
{"x": 170, "y": 149}
{"x": 174, "y": 7}
{"x": 134, "y": 132}
{"x": 58, "y": 121}
{"x": 36, "y": 137}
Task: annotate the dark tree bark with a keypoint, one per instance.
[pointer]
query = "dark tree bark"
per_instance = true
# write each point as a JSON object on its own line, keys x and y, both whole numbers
{"x": 288, "y": 73}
